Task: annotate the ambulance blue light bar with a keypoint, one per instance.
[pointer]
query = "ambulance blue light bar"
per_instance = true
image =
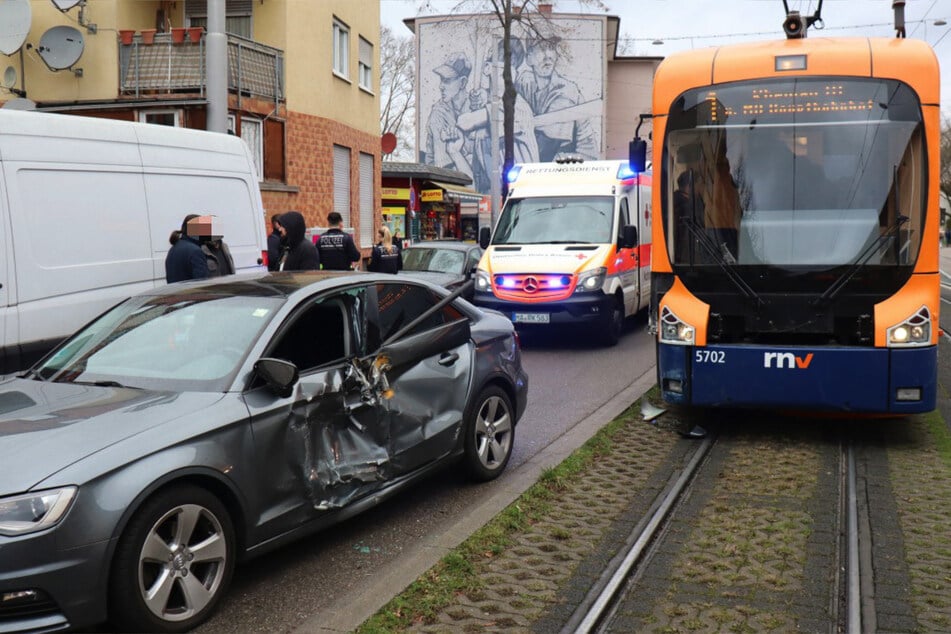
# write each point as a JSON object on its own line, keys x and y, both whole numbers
{"x": 624, "y": 172}
{"x": 512, "y": 174}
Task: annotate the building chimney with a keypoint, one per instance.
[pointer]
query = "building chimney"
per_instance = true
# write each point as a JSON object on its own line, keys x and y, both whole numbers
{"x": 544, "y": 8}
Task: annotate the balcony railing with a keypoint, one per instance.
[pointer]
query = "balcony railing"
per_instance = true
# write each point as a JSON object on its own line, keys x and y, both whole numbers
{"x": 164, "y": 67}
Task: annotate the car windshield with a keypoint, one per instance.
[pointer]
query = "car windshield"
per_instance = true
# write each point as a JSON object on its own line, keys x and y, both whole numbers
{"x": 192, "y": 342}
{"x": 556, "y": 219}
{"x": 433, "y": 259}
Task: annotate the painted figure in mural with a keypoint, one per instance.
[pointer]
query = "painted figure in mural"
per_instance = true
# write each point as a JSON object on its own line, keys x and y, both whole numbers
{"x": 445, "y": 142}
{"x": 476, "y": 122}
{"x": 561, "y": 116}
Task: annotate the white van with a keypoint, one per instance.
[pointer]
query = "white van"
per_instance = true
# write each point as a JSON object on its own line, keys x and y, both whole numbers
{"x": 571, "y": 246}
{"x": 86, "y": 209}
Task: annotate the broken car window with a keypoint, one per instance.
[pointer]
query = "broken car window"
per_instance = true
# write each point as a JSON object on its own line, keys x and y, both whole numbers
{"x": 399, "y": 304}
{"x": 317, "y": 336}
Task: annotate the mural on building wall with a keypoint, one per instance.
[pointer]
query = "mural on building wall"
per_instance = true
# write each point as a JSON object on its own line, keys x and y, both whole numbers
{"x": 559, "y": 82}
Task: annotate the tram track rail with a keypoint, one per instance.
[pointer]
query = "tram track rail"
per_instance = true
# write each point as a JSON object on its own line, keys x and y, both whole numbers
{"x": 599, "y": 603}
{"x": 851, "y": 589}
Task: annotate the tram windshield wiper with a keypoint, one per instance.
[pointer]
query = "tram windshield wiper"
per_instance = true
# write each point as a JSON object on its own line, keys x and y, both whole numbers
{"x": 723, "y": 258}
{"x": 836, "y": 287}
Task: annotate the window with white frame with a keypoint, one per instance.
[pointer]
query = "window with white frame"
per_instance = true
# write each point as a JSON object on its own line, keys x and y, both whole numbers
{"x": 238, "y": 16}
{"x": 365, "y": 78}
{"x": 252, "y": 133}
{"x": 162, "y": 117}
{"x": 341, "y": 49}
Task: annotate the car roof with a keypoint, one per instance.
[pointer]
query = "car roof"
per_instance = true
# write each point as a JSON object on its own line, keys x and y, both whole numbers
{"x": 273, "y": 284}
{"x": 444, "y": 244}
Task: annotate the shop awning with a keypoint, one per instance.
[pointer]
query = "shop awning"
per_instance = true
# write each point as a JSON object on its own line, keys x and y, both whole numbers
{"x": 465, "y": 194}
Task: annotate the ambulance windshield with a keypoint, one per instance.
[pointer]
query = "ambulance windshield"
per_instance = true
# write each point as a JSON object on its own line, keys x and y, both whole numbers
{"x": 556, "y": 220}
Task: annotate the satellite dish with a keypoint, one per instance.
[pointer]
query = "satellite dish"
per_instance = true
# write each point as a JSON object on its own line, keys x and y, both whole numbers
{"x": 15, "y": 19}
{"x": 20, "y": 104}
{"x": 9, "y": 77}
{"x": 66, "y": 5}
{"x": 61, "y": 47}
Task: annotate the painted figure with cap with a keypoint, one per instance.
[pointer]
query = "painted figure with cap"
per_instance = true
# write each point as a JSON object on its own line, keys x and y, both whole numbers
{"x": 445, "y": 142}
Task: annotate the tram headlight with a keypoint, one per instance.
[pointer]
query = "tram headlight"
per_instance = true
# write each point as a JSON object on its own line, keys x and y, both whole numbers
{"x": 482, "y": 282}
{"x": 591, "y": 280}
{"x": 674, "y": 330}
{"x": 911, "y": 332}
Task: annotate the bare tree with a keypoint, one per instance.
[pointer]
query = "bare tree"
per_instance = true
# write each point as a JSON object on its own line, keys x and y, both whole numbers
{"x": 534, "y": 16}
{"x": 397, "y": 82}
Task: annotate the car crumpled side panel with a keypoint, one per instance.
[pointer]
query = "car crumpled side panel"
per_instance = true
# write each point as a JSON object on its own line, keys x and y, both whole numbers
{"x": 429, "y": 375}
{"x": 381, "y": 417}
{"x": 338, "y": 436}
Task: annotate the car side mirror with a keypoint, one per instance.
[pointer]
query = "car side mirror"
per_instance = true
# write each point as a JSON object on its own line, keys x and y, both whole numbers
{"x": 628, "y": 237}
{"x": 279, "y": 375}
{"x": 485, "y": 234}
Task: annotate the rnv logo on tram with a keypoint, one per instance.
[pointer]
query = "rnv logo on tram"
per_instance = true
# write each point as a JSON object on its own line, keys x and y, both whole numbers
{"x": 786, "y": 360}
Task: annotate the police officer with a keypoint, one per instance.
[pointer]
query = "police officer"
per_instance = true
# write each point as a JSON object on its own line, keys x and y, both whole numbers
{"x": 336, "y": 248}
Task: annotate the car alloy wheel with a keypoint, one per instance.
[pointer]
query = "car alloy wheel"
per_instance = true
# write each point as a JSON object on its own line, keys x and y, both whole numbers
{"x": 490, "y": 433}
{"x": 174, "y": 562}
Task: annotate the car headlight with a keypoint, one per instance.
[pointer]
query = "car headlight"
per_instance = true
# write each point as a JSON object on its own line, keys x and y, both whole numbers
{"x": 913, "y": 331}
{"x": 674, "y": 330}
{"x": 32, "y": 512}
{"x": 482, "y": 281}
{"x": 591, "y": 280}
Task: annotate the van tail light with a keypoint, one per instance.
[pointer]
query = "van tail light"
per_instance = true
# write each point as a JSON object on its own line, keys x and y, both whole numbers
{"x": 263, "y": 258}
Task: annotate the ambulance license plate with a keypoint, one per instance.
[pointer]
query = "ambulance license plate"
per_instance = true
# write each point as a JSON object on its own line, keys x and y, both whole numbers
{"x": 530, "y": 318}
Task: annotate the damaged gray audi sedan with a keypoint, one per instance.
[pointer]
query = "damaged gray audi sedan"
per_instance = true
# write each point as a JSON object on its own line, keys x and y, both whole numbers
{"x": 203, "y": 423}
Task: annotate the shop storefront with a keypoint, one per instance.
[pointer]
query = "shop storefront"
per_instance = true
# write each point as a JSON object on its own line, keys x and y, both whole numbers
{"x": 422, "y": 202}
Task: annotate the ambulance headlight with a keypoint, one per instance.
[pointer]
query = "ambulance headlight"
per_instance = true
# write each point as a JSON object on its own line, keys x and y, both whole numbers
{"x": 482, "y": 281}
{"x": 674, "y": 330}
{"x": 591, "y": 280}
{"x": 913, "y": 331}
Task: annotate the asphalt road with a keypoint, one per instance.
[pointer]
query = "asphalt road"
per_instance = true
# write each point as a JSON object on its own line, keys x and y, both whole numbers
{"x": 333, "y": 581}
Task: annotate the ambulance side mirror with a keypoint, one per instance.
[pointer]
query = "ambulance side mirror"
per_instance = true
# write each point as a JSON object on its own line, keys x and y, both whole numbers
{"x": 485, "y": 234}
{"x": 628, "y": 237}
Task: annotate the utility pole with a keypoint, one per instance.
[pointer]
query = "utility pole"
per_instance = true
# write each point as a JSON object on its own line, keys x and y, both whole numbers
{"x": 216, "y": 67}
{"x": 496, "y": 176}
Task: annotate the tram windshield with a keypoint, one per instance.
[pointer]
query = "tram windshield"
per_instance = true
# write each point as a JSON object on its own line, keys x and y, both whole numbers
{"x": 795, "y": 174}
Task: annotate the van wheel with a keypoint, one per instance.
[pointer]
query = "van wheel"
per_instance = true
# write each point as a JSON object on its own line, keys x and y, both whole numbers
{"x": 610, "y": 333}
{"x": 173, "y": 563}
{"x": 489, "y": 426}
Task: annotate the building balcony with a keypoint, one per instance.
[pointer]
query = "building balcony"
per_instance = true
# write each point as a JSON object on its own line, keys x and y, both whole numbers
{"x": 165, "y": 67}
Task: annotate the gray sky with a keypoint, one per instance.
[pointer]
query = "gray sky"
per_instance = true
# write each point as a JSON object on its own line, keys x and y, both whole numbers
{"x": 685, "y": 24}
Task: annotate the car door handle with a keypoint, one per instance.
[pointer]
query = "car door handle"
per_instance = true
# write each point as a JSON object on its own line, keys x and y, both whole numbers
{"x": 448, "y": 358}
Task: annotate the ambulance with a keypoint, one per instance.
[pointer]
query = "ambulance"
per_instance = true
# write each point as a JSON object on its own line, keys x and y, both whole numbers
{"x": 571, "y": 246}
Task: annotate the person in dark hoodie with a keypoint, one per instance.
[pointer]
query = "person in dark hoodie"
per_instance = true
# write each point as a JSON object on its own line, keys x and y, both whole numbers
{"x": 298, "y": 253}
{"x": 185, "y": 259}
{"x": 274, "y": 244}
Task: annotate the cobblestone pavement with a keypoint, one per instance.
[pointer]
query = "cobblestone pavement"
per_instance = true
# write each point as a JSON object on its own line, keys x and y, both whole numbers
{"x": 521, "y": 585}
